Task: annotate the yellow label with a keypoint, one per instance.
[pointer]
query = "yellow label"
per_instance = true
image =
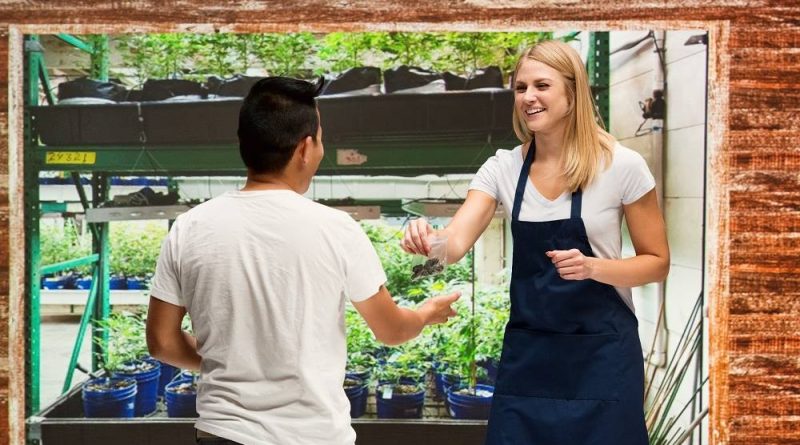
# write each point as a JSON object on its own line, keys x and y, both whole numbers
{"x": 70, "y": 157}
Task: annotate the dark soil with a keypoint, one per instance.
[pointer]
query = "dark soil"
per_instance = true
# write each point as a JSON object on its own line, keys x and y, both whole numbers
{"x": 107, "y": 385}
{"x": 184, "y": 388}
{"x": 402, "y": 389}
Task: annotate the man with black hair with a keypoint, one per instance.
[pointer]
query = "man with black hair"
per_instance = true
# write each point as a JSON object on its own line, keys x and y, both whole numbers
{"x": 264, "y": 273}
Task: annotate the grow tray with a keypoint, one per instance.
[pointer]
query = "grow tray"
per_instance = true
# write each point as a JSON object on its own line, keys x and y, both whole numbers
{"x": 62, "y": 423}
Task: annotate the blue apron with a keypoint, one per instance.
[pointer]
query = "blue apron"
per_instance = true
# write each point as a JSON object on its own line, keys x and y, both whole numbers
{"x": 571, "y": 371}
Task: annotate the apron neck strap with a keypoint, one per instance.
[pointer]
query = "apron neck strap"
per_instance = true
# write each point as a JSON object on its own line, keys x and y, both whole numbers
{"x": 577, "y": 199}
{"x": 577, "y": 196}
{"x": 523, "y": 180}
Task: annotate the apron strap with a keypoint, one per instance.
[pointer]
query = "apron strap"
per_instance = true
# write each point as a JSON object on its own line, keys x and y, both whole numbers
{"x": 577, "y": 196}
{"x": 523, "y": 180}
{"x": 577, "y": 199}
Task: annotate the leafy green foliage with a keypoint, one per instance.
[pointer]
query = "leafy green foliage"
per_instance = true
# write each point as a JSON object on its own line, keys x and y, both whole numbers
{"x": 158, "y": 56}
{"x": 397, "y": 264}
{"x": 135, "y": 248}
{"x": 339, "y": 51}
{"x": 196, "y": 56}
{"x": 63, "y": 243}
{"x": 126, "y": 339}
{"x": 361, "y": 343}
{"x": 285, "y": 54}
{"x": 221, "y": 54}
{"x": 407, "y": 361}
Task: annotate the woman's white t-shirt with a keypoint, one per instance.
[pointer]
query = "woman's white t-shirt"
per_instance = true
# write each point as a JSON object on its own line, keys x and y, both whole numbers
{"x": 625, "y": 181}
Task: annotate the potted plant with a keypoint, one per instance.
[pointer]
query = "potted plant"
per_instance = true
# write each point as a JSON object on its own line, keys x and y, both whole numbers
{"x": 494, "y": 306}
{"x": 467, "y": 399}
{"x": 180, "y": 395}
{"x": 109, "y": 397}
{"x": 124, "y": 358}
{"x": 62, "y": 243}
{"x": 134, "y": 252}
{"x": 401, "y": 382}
{"x": 361, "y": 345}
{"x": 356, "y": 390}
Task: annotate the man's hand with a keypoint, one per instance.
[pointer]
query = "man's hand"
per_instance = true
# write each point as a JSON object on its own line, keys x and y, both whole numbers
{"x": 438, "y": 309}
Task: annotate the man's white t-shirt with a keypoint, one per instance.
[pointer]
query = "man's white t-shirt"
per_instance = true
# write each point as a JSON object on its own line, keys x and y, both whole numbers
{"x": 264, "y": 276}
{"x": 625, "y": 181}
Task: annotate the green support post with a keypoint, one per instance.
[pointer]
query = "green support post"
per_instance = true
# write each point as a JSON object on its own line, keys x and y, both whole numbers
{"x": 597, "y": 65}
{"x": 99, "y": 58}
{"x": 76, "y": 42}
{"x": 33, "y": 60}
{"x": 100, "y": 243}
{"x": 85, "y": 321}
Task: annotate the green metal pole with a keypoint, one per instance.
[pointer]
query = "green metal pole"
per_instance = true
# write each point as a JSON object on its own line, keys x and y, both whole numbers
{"x": 597, "y": 66}
{"x": 76, "y": 42}
{"x": 100, "y": 182}
{"x": 99, "y": 58}
{"x": 69, "y": 264}
{"x": 33, "y": 58}
{"x": 85, "y": 320}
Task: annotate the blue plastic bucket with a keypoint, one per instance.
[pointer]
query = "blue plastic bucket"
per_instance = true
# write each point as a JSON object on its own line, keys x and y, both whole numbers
{"x": 361, "y": 375}
{"x": 180, "y": 404}
{"x": 399, "y": 406}
{"x": 147, "y": 388}
{"x": 117, "y": 283}
{"x": 466, "y": 406}
{"x": 168, "y": 372}
{"x": 116, "y": 402}
{"x": 135, "y": 283}
{"x": 443, "y": 382}
{"x": 358, "y": 398}
{"x": 83, "y": 283}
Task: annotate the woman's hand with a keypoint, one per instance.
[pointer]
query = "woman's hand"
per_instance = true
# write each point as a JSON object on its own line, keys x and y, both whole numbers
{"x": 416, "y": 237}
{"x": 572, "y": 264}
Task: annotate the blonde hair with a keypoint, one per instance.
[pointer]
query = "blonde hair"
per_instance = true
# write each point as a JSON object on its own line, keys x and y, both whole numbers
{"x": 586, "y": 143}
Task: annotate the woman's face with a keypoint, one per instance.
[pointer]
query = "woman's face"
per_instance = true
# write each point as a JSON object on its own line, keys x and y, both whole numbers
{"x": 540, "y": 96}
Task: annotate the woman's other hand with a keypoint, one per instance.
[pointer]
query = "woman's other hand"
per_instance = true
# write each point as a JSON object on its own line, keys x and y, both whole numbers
{"x": 571, "y": 264}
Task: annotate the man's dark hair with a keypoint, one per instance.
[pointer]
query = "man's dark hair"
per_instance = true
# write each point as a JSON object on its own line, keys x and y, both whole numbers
{"x": 277, "y": 114}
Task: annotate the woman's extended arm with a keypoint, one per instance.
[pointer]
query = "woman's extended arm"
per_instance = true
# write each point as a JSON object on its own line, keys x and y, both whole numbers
{"x": 467, "y": 225}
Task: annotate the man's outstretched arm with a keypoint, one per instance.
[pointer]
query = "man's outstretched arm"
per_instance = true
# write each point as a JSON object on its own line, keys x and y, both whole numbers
{"x": 393, "y": 325}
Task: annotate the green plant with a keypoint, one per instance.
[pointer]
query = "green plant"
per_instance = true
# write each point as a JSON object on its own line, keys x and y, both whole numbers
{"x": 359, "y": 336}
{"x": 63, "y": 243}
{"x": 408, "y": 48}
{"x": 361, "y": 343}
{"x": 662, "y": 422}
{"x": 493, "y": 311}
{"x": 340, "y": 51}
{"x": 221, "y": 54}
{"x": 157, "y": 56}
{"x": 126, "y": 339}
{"x": 397, "y": 264}
{"x": 407, "y": 361}
{"x": 285, "y": 54}
{"x": 135, "y": 248}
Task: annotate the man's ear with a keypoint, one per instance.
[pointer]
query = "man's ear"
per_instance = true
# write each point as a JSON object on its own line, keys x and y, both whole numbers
{"x": 304, "y": 149}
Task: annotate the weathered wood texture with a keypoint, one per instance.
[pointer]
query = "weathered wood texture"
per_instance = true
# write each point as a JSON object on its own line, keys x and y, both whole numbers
{"x": 754, "y": 184}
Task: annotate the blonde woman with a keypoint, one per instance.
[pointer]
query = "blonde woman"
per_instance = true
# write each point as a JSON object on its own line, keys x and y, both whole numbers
{"x": 571, "y": 370}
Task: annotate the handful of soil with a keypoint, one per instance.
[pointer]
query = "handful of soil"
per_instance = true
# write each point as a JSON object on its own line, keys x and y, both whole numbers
{"x": 431, "y": 267}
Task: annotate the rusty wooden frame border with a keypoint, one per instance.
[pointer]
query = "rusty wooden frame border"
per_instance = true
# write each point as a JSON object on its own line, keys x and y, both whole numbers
{"x": 717, "y": 210}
